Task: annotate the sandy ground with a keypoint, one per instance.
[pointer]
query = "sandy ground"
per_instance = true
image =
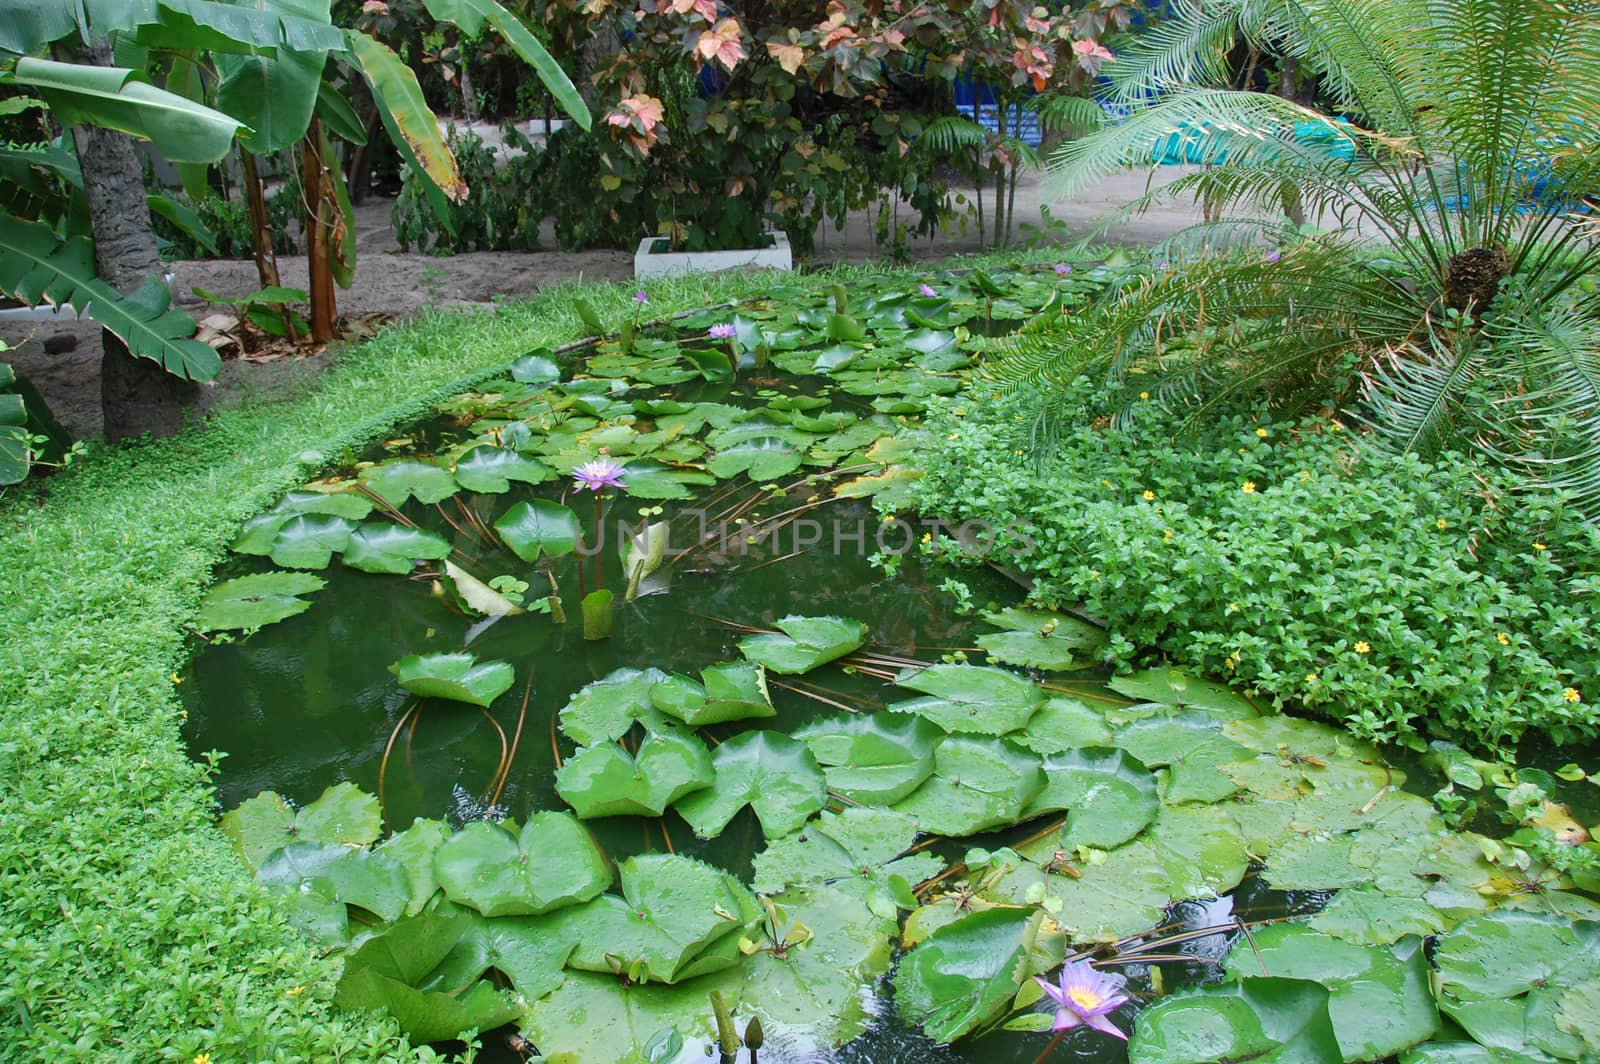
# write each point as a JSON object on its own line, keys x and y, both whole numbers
{"x": 394, "y": 284}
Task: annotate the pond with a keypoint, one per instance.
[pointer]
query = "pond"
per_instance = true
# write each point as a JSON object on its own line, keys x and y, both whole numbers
{"x": 858, "y": 792}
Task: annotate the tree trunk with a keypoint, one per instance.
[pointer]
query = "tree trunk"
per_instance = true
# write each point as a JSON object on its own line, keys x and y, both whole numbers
{"x": 321, "y": 208}
{"x": 136, "y": 394}
{"x": 1288, "y": 88}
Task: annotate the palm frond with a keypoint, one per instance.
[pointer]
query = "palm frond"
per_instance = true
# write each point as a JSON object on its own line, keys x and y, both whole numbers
{"x": 1413, "y": 399}
{"x": 1061, "y": 112}
{"x": 950, "y": 133}
{"x": 1188, "y": 46}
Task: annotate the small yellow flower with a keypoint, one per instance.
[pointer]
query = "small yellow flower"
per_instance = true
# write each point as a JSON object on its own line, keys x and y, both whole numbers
{"x": 1571, "y": 695}
{"x": 1540, "y": 546}
{"x": 1335, "y": 427}
{"x": 1018, "y": 452}
{"x": 1248, "y": 487}
{"x": 202, "y": 1058}
{"x": 1233, "y": 607}
{"x": 959, "y": 411}
{"x": 1262, "y": 433}
{"x": 1363, "y": 647}
{"x": 1503, "y": 639}
{"x": 1149, "y": 496}
{"x": 176, "y": 679}
{"x": 1305, "y": 474}
{"x": 295, "y": 991}
{"x": 1166, "y": 537}
{"x": 1144, "y": 395}
{"x": 1441, "y": 523}
{"x": 955, "y": 435}
{"x": 927, "y": 537}
{"x": 1106, "y": 482}
{"x": 1231, "y": 662}
{"x": 1311, "y": 677}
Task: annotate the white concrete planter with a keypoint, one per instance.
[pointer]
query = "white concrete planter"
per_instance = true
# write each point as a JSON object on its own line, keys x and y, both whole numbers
{"x": 647, "y": 263}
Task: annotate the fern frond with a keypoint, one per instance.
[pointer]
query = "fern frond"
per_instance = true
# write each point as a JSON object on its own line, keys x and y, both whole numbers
{"x": 1060, "y": 112}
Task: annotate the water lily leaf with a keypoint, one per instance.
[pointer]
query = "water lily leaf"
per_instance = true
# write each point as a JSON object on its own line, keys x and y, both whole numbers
{"x": 1064, "y": 723}
{"x": 1173, "y": 687}
{"x": 672, "y": 913}
{"x": 803, "y": 643}
{"x": 1191, "y": 747}
{"x": 478, "y": 596}
{"x": 892, "y": 487}
{"x": 1040, "y": 639}
{"x": 649, "y": 479}
{"x": 531, "y": 951}
{"x": 762, "y": 459}
{"x": 606, "y": 708}
{"x": 536, "y": 367}
{"x": 371, "y": 881}
{"x": 382, "y": 547}
{"x": 539, "y": 527}
{"x": 1111, "y": 896}
{"x": 414, "y": 848}
{"x": 1369, "y": 917}
{"x": 1505, "y": 953}
{"x": 1578, "y": 1013}
{"x": 966, "y": 972}
{"x": 1274, "y": 1021}
{"x": 406, "y": 478}
{"x": 1302, "y": 738}
{"x": 1201, "y": 849}
{"x": 977, "y": 783}
{"x": 1468, "y": 1053}
{"x": 308, "y": 541}
{"x": 595, "y": 1016}
{"x": 859, "y": 846}
{"x": 1378, "y": 998}
{"x": 735, "y": 690}
{"x": 875, "y": 759}
{"x": 491, "y": 469}
{"x": 251, "y": 602}
{"x": 772, "y": 773}
{"x": 385, "y": 972}
{"x": 605, "y": 780}
{"x": 458, "y": 677}
{"x": 931, "y": 342}
{"x": 261, "y": 531}
{"x": 971, "y": 698}
{"x": 1110, "y": 796}
{"x": 552, "y": 863}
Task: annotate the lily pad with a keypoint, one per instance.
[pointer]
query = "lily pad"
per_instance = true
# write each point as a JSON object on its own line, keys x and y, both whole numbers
{"x": 1104, "y": 898}
{"x": 553, "y": 862}
{"x": 971, "y": 698}
{"x": 457, "y": 677}
{"x": 1109, "y": 795}
{"x": 772, "y": 773}
{"x": 860, "y": 845}
{"x": 1191, "y": 747}
{"x": 804, "y": 643}
{"x": 371, "y": 881}
{"x": 1042, "y": 640}
{"x": 490, "y": 469}
{"x": 308, "y": 541}
{"x": 1064, "y": 723}
{"x": 763, "y": 458}
{"x": 606, "y": 780}
{"x": 977, "y": 783}
{"x": 735, "y": 690}
{"x": 966, "y": 972}
{"x": 606, "y": 708}
{"x": 382, "y": 547}
{"x": 477, "y": 596}
{"x": 1273, "y": 1021}
{"x": 342, "y": 816}
{"x": 665, "y": 927}
{"x": 251, "y": 602}
{"x": 1369, "y": 917}
{"x": 876, "y": 758}
{"x": 1174, "y": 687}
{"x": 649, "y": 479}
{"x": 536, "y": 367}
{"x": 396, "y": 481}
{"x": 414, "y": 848}
{"x": 539, "y": 527}
{"x": 531, "y": 951}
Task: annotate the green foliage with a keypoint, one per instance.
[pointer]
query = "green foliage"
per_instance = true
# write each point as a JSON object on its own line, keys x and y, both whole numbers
{"x": 504, "y": 207}
{"x": 227, "y": 225}
{"x": 1402, "y": 598}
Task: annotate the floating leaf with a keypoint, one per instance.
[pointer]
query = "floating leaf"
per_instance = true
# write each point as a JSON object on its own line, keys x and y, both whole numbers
{"x": 1109, "y": 795}
{"x": 458, "y": 677}
{"x": 805, "y": 643}
{"x": 308, "y": 541}
{"x": 672, "y": 914}
{"x": 655, "y": 480}
{"x": 531, "y": 951}
{"x": 858, "y": 846}
{"x": 977, "y": 783}
{"x": 1378, "y": 998}
{"x": 414, "y": 848}
{"x": 1281, "y": 1020}
{"x": 251, "y": 602}
{"x": 1104, "y": 898}
{"x": 396, "y": 481}
{"x": 605, "y": 780}
{"x": 735, "y": 690}
{"x": 536, "y": 367}
{"x": 971, "y": 698}
{"x": 772, "y": 773}
{"x": 539, "y": 527}
{"x": 1201, "y": 849}
{"x": 262, "y": 530}
{"x": 552, "y": 863}
{"x": 762, "y": 459}
{"x": 390, "y": 548}
{"x": 875, "y": 759}
{"x": 1173, "y": 687}
{"x": 477, "y": 596}
{"x": 1369, "y": 917}
{"x": 597, "y": 1016}
{"x": 1191, "y": 747}
{"x": 606, "y": 708}
{"x": 371, "y": 881}
{"x": 1064, "y": 723}
{"x": 967, "y": 972}
{"x": 1042, "y": 640}
{"x": 491, "y": 469}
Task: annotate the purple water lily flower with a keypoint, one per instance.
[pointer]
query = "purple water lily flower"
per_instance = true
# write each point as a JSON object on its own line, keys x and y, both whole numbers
{"x": 720, "y": 331}
{"x": 1062, "y": 269}
{"x": 1084, "y": 997}
{"x": 927, "y": 291}
{"x": 600, "y": 473}
{"x": 640, "y": 297}
{"x": 1273, "y": 256}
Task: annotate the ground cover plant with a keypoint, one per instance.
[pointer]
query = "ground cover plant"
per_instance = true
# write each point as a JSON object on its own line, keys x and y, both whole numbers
{"x": 784, "y": 814}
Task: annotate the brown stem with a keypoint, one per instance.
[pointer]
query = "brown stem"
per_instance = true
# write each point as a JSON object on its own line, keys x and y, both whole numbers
{"x": 318, "y": 192}
{"x": 383, "y": 764}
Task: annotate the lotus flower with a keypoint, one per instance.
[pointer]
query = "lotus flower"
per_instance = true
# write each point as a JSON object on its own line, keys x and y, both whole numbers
{"x": 1274, "y": 255}
{"x": 640, "y": 297}
{"x": 720, "y": 331}
{"x": 600, "y": 473}
{"x": 1062, "y": 269}
{"x": 1084, "y": 997}
{"x": 927, "y": 291}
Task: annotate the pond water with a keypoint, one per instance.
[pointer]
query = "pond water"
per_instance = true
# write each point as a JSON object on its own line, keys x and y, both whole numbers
{"x": 782, "y": 525}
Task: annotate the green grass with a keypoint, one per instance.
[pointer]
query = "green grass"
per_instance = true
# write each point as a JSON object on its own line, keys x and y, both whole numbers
{"x": 130, "y": 930}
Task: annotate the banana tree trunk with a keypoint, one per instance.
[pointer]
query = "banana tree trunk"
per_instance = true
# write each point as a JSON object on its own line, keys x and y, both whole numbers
{"x": 260, "y": 227}
{"x": 321, "y": 210}
{"x": 137, "y": 396}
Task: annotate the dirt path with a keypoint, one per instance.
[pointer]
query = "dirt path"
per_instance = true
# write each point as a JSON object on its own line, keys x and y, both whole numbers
{"x": 61, "y": 357}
